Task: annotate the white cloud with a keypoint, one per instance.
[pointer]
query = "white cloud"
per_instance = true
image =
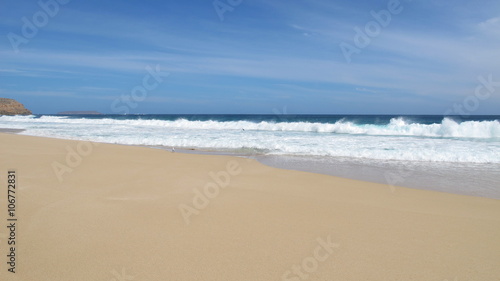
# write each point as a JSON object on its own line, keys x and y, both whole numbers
{"x": 490, "y": 26}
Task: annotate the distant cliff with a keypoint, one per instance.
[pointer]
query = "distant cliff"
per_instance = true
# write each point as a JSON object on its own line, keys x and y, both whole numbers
{"x": 12, "y": 107}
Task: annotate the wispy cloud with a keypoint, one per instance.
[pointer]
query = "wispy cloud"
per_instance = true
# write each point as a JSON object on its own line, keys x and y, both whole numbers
{"x": 90, "y": 50}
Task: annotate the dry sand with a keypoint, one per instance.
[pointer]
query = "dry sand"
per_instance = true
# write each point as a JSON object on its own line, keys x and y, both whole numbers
{"x": 116, "y": 216}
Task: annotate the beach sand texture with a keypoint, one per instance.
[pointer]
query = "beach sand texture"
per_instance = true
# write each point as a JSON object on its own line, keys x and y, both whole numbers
{"x": 127, "y": 213}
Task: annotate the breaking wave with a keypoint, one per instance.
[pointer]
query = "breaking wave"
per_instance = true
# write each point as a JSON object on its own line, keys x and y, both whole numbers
{"x": 448, "y": 128}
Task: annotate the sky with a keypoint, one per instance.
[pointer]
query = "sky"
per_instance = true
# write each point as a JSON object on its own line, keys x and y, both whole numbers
{"x": 252, "y": 56}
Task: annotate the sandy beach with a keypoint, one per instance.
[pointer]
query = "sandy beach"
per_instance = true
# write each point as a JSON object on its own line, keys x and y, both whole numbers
{"x": 109, "y": 212}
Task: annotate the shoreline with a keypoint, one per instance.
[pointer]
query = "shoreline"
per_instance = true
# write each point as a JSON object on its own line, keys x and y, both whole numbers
{"x": 410, "y": 174}
{"x": 11, "y": 131}
{"x": 155, "y": 215}
{"x": 434, "y": 176}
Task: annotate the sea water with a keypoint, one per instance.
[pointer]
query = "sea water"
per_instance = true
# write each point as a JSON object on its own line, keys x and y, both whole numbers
{"x": 452, "y": 154}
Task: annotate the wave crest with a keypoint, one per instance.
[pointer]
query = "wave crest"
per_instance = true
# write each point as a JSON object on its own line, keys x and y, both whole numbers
{"x": 448, "y": 128}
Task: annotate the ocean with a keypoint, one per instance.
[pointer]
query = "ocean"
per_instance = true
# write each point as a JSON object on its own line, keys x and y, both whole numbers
{"x": 452, "y": 154}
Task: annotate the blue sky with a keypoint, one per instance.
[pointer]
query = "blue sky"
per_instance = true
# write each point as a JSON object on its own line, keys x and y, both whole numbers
{"x": 262, "y": 57}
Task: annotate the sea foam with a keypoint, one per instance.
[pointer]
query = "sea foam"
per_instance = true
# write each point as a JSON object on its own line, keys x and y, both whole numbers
{"x": 399, "y": 139}
{"x": 448, "y": 128}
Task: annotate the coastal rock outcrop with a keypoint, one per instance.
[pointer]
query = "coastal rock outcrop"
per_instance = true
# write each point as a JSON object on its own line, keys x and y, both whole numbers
{"x": 12, "y": 107}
